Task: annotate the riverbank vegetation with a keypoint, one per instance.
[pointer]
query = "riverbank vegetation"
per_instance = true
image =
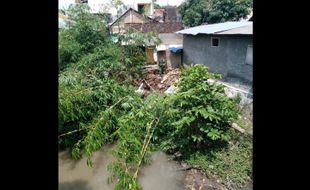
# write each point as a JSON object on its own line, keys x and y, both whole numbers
{"x": 98, "y": 105}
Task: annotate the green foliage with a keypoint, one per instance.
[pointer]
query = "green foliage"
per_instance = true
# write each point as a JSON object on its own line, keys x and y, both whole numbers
{"x": 69, "y": 49}
{"x": 196, "y": 12}
{"x": 97, "y": 104}
{"x": 134, "y": 141}
{"x": 87, "y": 88}
{"x": 199, "y": 113}
{"x": 133, "y": 58}
{"x": 231, "y": 165}
{"x": 138, "y": 38}
{"x": 85, "y": 32}
{"x": 80, "y": 106}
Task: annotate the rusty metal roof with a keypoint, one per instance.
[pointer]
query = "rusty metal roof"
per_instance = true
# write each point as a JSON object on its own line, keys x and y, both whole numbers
{"x": 220, "y": 28}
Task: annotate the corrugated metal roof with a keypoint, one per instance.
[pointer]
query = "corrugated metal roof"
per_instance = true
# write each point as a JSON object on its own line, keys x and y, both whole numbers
{"x": 215, "y": 28}
{"x": 241, "y": 30}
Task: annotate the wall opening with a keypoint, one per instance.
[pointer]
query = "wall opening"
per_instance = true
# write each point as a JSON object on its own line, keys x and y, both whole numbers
{"x": 215, "y": 42}
{"x": 144, "y": 8}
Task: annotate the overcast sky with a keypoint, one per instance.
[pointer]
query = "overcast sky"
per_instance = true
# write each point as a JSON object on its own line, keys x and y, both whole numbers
{"x": 66, "y": 3}
{"x": 170, "y": 2}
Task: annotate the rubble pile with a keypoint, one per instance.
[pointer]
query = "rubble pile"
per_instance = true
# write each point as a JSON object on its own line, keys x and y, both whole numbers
{"x": 171, "y": 77}
{"x": 153, "y": 81}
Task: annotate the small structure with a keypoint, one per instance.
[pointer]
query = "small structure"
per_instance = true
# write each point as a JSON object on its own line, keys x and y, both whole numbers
{"x": 170, "y": 49}
{"x": 225, "y": 48}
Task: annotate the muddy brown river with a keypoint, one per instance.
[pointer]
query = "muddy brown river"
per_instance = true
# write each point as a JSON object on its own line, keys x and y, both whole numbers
{"x": 161, "y": 174}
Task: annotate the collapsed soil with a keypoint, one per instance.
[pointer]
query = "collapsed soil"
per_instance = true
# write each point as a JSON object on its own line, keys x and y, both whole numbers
{"x": 152, "y": 80}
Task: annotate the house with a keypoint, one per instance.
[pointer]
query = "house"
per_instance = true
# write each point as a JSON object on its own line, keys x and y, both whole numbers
{"x": 133, "y": 19}
{"x": 225, "y": 48}
{"x": 131, "y": 16}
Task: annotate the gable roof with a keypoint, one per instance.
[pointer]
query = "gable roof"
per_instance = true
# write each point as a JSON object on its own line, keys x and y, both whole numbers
{"x": 220, "y": 28}
{"x": 125, "y": 13}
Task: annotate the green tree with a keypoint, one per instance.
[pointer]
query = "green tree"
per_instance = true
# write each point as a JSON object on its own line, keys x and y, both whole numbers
{"x": 196, "y": 12}
{"x": 85, "y": 32}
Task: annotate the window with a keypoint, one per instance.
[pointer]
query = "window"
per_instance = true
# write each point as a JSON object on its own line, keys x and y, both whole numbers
{"x": 141, "y": 8}
{"x": 215, "y": 42}
{"x": 249, "y": 55}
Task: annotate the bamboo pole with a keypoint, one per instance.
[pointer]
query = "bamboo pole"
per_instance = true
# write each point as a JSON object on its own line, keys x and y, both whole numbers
{"x": 148, "y": 137}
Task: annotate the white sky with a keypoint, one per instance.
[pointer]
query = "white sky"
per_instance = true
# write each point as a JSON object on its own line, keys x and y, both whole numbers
{"x": 65, "y": 3}
{"x": 169, "y": 2}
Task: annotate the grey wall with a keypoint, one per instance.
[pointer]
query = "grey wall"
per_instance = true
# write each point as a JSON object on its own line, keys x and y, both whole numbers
{"x": 227, "y": 59}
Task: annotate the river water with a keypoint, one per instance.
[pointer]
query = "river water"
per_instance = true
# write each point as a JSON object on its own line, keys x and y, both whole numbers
{"x": 161, "y": 174}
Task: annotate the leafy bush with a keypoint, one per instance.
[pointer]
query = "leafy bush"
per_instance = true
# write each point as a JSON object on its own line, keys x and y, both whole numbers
{"x": 133, "y": 58}
{"x": 69, "y": 49}
{"x": 199, "y": 113}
